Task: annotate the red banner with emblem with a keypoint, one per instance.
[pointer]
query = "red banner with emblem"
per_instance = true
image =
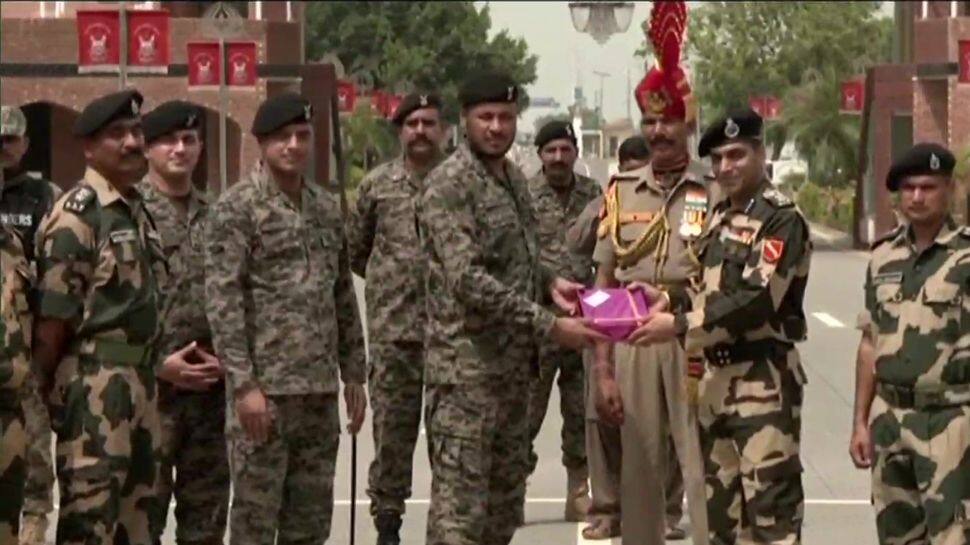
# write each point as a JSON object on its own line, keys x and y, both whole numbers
{"x": 768, "y": 107}
{"x": 772, "y": 108}
{"x": 378, "y": 102}
{"x": 98, "y": 40}
{"x": 853, "y": 97}
{"x": 148, "y": 41}
{"x": 393, "y": 103}
{"x": 757, "y": 104}
{"x": 204, "y": 62}
{"x": 241, "y": 64}
{"x": 964, "y": 61}
{"x": 346, "y": 95}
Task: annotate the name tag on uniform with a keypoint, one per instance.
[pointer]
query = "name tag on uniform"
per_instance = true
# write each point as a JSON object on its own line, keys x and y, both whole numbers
{"x": 887, "y": 278}
{"x": 124, "y": 235}
{"x": 17, "y": 220}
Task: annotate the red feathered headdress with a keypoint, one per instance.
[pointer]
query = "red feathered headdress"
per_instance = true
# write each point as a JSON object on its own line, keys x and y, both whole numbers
{"x": 665, "y": 90}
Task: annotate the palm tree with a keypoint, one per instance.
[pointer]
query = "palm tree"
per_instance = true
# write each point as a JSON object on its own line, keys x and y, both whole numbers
{"x": 825, "y": 138}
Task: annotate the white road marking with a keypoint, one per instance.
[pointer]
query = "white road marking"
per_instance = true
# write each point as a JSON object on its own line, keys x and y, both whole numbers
{"x": 828, "y": 319}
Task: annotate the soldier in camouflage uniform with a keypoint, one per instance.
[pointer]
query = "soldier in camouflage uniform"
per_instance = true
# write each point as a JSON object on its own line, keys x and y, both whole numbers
{"x": 484, "y": 318}
{"x": 23, "y": 202}
{"x": 191, "y": 398}
{"x": 558, "y": 196}
{"x": 385, "y": 250}
{"x": 99, "y": 262}
{"x": 15, "y": 330}
{"x": 912, "y": 411}
{"x": 746, "y": 318}
{"x": 281, "y": 304}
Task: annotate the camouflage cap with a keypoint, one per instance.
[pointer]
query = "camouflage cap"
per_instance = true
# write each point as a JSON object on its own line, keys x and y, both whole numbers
{"x": 12, "y": 121}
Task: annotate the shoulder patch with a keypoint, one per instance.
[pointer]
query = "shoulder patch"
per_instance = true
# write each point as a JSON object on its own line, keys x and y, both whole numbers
{"x": 893, "y": 233}
{"x": 778, "y": 198}
{"x": 79, "y": 199}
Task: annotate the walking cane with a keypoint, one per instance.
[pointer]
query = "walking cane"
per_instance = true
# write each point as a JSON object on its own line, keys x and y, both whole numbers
{"x": 353, "y": 486}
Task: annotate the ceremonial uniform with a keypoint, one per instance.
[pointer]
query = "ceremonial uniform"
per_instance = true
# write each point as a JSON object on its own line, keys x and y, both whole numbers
{"x": 555, "y": 211}
{"x": 385, "y": 250}
{"x": 916, "y": 310}
{"x": 649, "y": 235}
{"x": 193, "y": 443}
{"x": 24, "y": 201}
{"x": 15, "y": 330}
{"x": 746, "y": 319}
{"x": 100, "y": 262}
{"x": 281, "y": 304}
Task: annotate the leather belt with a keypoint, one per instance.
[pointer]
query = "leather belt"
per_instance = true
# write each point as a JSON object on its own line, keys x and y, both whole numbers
{"x": 722, "y": 355}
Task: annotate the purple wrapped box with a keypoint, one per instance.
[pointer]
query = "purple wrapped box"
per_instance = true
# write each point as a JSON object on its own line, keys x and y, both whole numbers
{"x": 615, "y": 312}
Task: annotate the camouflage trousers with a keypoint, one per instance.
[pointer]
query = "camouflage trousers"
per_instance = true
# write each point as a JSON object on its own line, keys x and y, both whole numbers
{"x": 39, "y": 490}
{"x": 285, "y": 485}
{"x": 750, "y": 418}
{"x": 920, "y": 486}
{"x": 479, "y": 441}
{"x": 193, "y": 446}
{"x": 569, "y": 366}
{"x": 13, "y": 439}
{"x": 395, "y": 386}
{"x": 106, "y": 419}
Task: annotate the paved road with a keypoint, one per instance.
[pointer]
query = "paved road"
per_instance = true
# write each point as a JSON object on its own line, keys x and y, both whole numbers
{"x": 837, "y": 511}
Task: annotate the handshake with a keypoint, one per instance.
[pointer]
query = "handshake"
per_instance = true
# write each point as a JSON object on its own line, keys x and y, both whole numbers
{"x": 637, "y": 314}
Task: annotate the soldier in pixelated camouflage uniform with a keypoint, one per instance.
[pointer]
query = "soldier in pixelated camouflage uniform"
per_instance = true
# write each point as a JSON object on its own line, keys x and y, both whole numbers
{"x": 15, "y": 330}
{"x": 280, "y": 300}
{"x": 191, "y": 398}
{"x": 385, "y": 250}
{"x": 912, "y": 412}
{"x": 100, "y": 262}
{"x": 484, "y": 283}
{"x": 746, "y": 317}
{"x": 558, "y": 196}
{"x": 24, "y": 200}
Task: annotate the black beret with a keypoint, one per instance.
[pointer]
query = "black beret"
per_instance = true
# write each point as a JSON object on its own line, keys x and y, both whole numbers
{"x": 488, "y": 87}
{"x": 412, "y": 102}
{"x": 634, "y": 147}
{"x": 922, "y": 159}
{"x": 744, "y": 123}
{"x": 171, "y": 116}
{"x": 279, "y": 111}
{"x": 102, "y": 111}
{"x": 555, "y": 130}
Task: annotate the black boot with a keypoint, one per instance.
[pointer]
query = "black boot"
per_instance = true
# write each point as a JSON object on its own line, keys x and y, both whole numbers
{"x": 388, "y": 523}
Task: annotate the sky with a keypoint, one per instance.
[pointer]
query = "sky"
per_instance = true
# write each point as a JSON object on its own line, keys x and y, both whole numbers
{"x": 568, "y": 58}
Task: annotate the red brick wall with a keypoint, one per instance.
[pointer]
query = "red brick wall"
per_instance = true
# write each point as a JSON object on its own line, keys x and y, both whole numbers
{"x": 892, "y": 94}
{"x": 931, "y": 41}
{"x": 930, "y": 111}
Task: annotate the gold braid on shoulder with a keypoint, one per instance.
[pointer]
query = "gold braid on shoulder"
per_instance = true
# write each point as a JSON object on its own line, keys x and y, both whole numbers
{"x": 655, "y": 237}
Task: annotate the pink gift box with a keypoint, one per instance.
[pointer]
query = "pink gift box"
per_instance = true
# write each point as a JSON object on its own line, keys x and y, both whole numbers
{"x": 615, "y": 312}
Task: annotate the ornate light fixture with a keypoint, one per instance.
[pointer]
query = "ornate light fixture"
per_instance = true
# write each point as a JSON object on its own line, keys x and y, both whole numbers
{"x": 601, "y": 19}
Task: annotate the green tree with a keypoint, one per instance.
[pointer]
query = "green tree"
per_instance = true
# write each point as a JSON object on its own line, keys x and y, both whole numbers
{"x": 368, "y": 140}
{"x": 402, "y": 46}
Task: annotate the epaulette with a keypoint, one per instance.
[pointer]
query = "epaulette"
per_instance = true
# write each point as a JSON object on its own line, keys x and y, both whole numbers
{"x": 777, "y": 198}
{"x": 79, "y": 199}
{"x": 890, "y": 235}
